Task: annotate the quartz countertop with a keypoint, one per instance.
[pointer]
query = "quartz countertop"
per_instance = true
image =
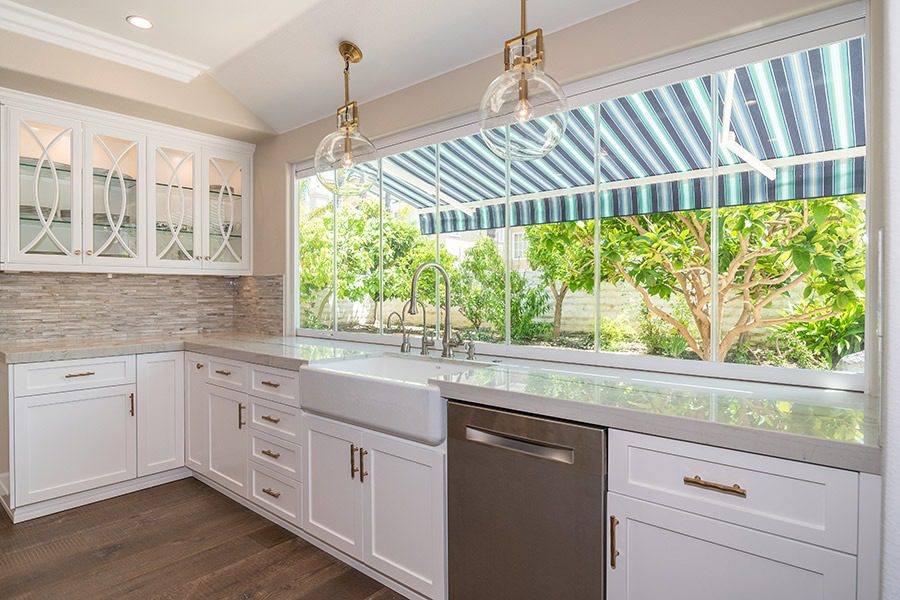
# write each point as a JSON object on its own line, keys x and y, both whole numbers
{"x": 274, "y": 351}
{"x": 827, "y": 427}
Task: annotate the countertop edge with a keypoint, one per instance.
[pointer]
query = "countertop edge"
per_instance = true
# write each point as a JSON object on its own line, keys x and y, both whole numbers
{"x": 777, "y": 444}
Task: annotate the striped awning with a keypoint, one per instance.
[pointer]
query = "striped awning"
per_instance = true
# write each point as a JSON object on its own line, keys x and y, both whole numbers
{"x": 800, "y": 117}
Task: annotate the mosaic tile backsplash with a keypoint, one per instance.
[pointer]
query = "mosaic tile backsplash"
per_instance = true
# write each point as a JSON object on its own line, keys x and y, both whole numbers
{"x": 45, "y": 306}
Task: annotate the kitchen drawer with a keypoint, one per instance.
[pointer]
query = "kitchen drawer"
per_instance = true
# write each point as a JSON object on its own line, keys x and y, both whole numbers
{"x": 275, "y": 493}
{"x": 278, "y": 455}
{"x": 788, "y": 498}
{"x": 277, "y": 385}
{"x": 227, "y": 373}
{"x": 31, "y": 379}
{"x": 276, "y": 419}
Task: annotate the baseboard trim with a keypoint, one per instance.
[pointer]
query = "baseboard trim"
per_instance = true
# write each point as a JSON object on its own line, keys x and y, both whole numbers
{"x": 365, "y": 569}
{"x": 48, "y": 507}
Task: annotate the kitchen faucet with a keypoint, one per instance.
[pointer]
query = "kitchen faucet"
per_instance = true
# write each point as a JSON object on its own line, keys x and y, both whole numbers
{"x": 447, "y": 351}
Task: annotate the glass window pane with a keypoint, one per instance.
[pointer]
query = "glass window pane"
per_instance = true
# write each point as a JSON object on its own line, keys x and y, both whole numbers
{"x": 114, "y": 185}
{"x": 225, "y": 210}
{"x": 358, "y": 258}
{"x": 552, "y": 209}
{"x": 174, "y": 188}
{"x": 315, "y": 254}
{"x": 792, "y": 254}
{"x": 655, "y": 194}
{"x": 409, "y": 239}
{"x": 472, "y": 207}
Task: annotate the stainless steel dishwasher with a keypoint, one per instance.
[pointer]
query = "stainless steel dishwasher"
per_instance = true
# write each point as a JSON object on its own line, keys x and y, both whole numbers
{"x": 527, "y": 507}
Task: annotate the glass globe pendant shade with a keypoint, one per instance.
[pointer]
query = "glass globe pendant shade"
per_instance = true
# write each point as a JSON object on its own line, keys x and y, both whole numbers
{"x": 340, "y": 163}
{"x": 523, "y": 113}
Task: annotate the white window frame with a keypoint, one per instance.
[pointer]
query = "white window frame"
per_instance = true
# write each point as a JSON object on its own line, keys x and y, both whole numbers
{"x": 800, "y": 34}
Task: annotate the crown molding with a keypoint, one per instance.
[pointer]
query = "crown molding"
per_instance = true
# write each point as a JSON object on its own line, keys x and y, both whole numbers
{"x": 46, "y": 27}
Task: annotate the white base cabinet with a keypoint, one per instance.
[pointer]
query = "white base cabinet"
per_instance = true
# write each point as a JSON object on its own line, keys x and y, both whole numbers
{"x": 196, "y": 415}
{"x": 672, "y": 554}
{"x": 73, "y": 441}
{"x": 378, "y": 499}
{"x": 160, "y": 412}
{"x": 228, "y": 439}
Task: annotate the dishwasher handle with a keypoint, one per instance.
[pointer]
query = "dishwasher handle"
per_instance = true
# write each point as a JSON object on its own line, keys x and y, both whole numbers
{"x": 534, "y": 448}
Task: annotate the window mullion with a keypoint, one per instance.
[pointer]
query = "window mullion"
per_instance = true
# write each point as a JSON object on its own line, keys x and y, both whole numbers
{"x": 714, "y": 224}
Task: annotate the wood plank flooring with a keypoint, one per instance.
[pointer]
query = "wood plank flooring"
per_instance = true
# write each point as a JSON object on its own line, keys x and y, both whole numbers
{"x": 179, "y": 540}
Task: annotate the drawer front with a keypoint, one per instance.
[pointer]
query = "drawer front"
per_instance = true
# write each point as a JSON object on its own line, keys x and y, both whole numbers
{"x": 788, "y": 498}
{"x": 278, "y": 455}
{"x": 277, "y": 385}
{"x": 275, "y": 493}
{"x": 276, "y": 419}
{"x": 227, "y": 373}
{"x": 67, "y": 375}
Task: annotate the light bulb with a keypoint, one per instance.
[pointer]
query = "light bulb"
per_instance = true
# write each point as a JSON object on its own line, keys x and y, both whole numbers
{"x": 347, "y": 163}
{"x": 524, "y": 111}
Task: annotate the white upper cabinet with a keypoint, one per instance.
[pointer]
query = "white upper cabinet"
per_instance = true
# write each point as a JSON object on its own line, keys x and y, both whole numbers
{"x": 174, "y": 201}
{"x": 226, "y": 211}
{"x": 42, "y": 195}
{"x": 114, "y": 206}
{"x": 97, "y": 192}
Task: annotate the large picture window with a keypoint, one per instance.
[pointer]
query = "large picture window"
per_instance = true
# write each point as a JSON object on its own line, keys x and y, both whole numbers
{"x": 720, "y": 219}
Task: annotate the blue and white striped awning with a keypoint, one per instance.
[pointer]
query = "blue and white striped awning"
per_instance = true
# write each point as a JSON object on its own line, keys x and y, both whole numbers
{"x": 801, "y": 117}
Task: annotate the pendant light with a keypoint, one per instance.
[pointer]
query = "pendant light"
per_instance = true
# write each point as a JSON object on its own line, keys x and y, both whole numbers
{"x": 524, "y": 112}
{"x": 341, "y": 155}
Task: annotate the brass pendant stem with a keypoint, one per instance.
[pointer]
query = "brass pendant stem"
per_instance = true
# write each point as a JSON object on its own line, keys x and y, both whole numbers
{"x": 346, "y": 80}
{"x": 524, "y": 21}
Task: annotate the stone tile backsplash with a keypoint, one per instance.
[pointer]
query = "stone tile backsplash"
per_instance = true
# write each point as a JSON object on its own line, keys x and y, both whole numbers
{"x": 45, "y": 306}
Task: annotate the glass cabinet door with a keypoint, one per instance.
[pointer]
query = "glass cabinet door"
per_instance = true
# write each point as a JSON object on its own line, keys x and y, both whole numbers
{"x": 113, "y": 198}
{"x": 45, "y": 181}
{"x": 226, "y": 213}
{"x": 175, "y": 232}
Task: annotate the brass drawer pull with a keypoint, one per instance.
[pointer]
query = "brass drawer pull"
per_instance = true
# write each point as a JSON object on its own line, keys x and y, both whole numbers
{"x": 241, "y": 421}
{"x": 131, "y": 397}
{"x": 199, "y": 366}
{"x": 353, "y": 469}
{"x": 271, "y": 492}
{"x": 74, "y": 375}
{"x": 270, "y": 419}
{"x": 362, "y": 465}
{"x": 613, "y": 547}
{"x": 271, "y": 454}
{"x": 222, "y": 372}
{"x": 271, "y": 384}
{"x": 734, "y": 490}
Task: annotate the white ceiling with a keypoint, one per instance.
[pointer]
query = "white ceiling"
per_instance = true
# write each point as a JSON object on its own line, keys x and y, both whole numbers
{"x": 279, "y": 57}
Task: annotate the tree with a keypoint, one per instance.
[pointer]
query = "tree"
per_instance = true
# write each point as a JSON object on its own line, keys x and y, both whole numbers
{"x": 359, "y": 249}
{"x": 480, "y": 283}
{"x": 563, "y": 254}
{"x": 766, "y": 252}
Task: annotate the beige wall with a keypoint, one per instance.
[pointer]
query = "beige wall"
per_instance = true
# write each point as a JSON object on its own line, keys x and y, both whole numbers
{"x": 633, "y": 34}
{"x": 41, "y": 68}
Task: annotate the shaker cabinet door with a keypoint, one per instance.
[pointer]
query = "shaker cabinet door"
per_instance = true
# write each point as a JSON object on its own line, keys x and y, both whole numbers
{"x": 332, "y": 510}
{"x": 662, "y": 552}
{"x": 160, "y": 412}
{"x": 73, "y": 441}
{"x": 228, "y": 438}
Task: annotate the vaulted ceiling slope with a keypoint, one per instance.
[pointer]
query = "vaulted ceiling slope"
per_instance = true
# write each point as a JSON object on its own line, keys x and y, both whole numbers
{"x": 278, "y": 58}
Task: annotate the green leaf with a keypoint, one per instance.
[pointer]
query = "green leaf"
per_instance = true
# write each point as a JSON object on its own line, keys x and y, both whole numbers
{"x": 801, "y": 258}
{"x": 821, "y": 213}
{"x": 824, "y": 264}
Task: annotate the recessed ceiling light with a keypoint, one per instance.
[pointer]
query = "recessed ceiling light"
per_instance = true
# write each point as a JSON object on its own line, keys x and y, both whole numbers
{"x": 139, "y": 22}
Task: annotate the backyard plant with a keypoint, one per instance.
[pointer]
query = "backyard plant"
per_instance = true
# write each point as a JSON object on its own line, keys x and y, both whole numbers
{"x": 809, "y": 254}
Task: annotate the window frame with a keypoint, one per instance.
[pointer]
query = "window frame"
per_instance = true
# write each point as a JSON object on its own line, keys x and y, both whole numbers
{"x": 815, "y": 30}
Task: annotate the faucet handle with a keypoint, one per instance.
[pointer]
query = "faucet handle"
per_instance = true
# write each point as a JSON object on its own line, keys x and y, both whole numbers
{"x": 470, "y": 349}
{"x": 427, "y": 342}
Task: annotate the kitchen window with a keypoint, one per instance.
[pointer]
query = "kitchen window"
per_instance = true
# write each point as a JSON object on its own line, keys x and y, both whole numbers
{"x": 719, "y": 219}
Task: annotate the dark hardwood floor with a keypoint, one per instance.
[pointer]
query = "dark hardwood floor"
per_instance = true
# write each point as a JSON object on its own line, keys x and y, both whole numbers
{"x": 180, "y": 540}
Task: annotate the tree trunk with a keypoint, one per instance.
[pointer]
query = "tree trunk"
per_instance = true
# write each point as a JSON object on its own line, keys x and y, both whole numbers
{"x": 558, "y": 296}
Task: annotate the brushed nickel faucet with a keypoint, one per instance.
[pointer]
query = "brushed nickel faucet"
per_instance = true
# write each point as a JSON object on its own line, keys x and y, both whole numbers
{"x": 447, "y": 350}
